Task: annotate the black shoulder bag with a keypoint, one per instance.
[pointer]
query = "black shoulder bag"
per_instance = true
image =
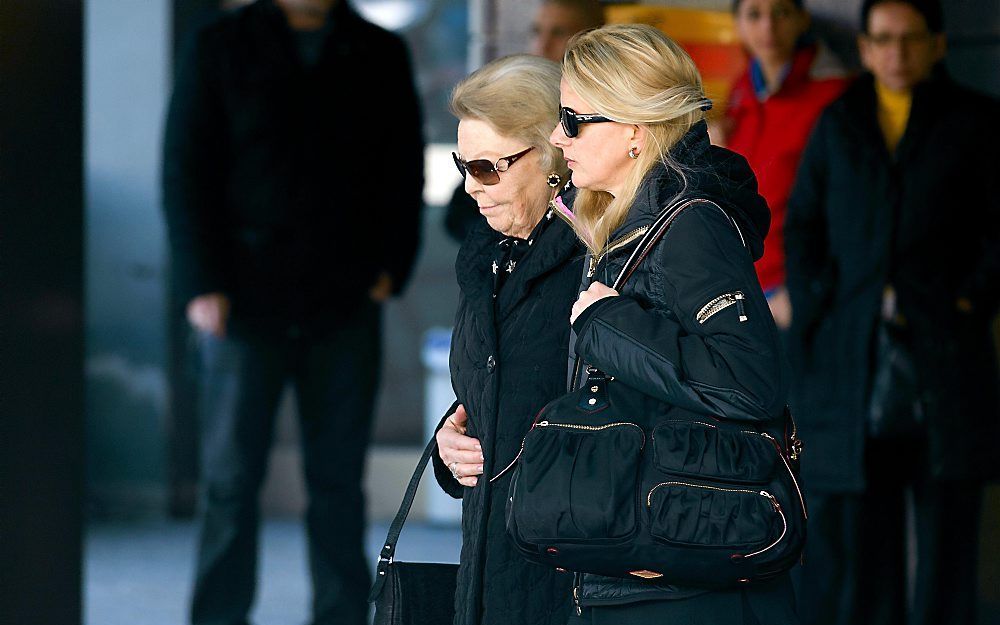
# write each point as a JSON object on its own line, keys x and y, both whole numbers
{"x": 412, "y": 593}
{"x": 609, "y": 481}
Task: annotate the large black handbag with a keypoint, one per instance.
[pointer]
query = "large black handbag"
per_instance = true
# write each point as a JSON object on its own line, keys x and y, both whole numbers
{"x": 412, "y": 593}
{"x": 612, "y": 481}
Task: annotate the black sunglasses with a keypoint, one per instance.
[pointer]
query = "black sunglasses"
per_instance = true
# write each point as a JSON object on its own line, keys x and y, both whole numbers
{"x": 571, "y": 120}
{"x": 484, "y": 171}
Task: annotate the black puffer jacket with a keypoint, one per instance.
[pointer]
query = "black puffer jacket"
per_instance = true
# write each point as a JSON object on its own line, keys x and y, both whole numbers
{"x": 656, "y": 337}
{"x": 508, "y": 360}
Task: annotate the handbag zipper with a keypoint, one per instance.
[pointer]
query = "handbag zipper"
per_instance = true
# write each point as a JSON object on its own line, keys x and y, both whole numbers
{"x": 512, "y": 462}
{"x": 623, "y": 240}
{"x": 721, "y": 303}
{"x": 762, "y": 493}
{"x": 593, "y": 428}
{"x": 565, "y": 425}
{"x": 777, "y": 447}
{"x": 796, "y": 449}
{"x": 788, "y": 467}
{"x": 521, "y": 451}
{"x": 701, "y": 423}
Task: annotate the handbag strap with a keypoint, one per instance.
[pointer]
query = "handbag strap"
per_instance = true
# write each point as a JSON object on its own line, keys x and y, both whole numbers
{"x": 656, "y": 231}
{"x": 396, "y": 527}
{"x": 649, "y": 240}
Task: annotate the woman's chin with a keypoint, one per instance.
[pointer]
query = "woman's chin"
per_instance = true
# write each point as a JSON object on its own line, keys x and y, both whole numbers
{"x": 500, "y": 225}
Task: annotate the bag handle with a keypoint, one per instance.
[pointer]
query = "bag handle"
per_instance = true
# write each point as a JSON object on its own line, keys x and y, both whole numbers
{"x": 656, "y": 232}
{"x": 396, "y": 527}
{"x": 649, "y": 240}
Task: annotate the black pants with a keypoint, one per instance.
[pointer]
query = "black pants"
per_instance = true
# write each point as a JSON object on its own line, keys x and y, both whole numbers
{"x": 856, "y": 558}
{"x": 766, "y": 603}
{"x": 335, "y": 380}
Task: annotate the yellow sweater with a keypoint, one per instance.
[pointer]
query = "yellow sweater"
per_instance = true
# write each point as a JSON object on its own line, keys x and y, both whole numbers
{"x": 893, "y": 113}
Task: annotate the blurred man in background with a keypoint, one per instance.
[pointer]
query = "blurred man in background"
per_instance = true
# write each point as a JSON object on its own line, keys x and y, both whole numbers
{"x": 893, "y": 258}
{"x": 293, "y": 171}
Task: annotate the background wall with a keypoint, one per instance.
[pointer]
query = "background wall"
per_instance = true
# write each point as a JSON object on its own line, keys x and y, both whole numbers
{"x": 127, "y": 59}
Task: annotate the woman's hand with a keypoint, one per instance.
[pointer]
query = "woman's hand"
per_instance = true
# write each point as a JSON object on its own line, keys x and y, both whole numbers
{"x": 596, "y": 291}
{"x": 461, "y": 454}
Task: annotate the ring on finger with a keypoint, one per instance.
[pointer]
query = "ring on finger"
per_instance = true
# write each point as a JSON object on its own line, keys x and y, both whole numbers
{"x": 453, "y": 467}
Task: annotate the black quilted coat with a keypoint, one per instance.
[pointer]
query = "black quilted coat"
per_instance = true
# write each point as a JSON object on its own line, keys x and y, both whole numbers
{"x": 508, "y": 359}
{"x": 663, "y": 335}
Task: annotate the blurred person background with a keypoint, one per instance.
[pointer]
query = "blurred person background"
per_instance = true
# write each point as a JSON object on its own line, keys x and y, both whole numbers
{"x": 893, "y": 243}
{"x": 284, "y": 274}
{"x": 98, "y": 443}
{"x": 789, "y": 80}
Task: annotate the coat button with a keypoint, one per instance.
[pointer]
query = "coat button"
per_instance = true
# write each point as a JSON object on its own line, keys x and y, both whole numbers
{"x": 491, "y": 364}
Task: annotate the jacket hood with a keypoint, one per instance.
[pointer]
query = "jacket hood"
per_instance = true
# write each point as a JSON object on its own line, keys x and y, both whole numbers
{"x": 712, "y": 173}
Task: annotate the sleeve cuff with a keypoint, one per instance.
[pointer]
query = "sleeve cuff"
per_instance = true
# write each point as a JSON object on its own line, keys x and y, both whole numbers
{"x": 586, "y": 316}
{"x": 441, "y": 473}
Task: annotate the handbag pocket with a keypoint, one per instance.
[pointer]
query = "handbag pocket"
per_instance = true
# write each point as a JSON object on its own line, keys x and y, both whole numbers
{"x": 577, "y": 483}
{"x": 696, "y": 515}
{"x": 703, "y": 450}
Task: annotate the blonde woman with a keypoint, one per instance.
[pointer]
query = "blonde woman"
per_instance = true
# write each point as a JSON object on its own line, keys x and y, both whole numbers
{"x": 691, "y": 327}
{"x": 518, "y": 271}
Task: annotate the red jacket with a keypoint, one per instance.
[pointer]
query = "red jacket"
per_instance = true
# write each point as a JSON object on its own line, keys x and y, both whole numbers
{"x": 772, "y": 134}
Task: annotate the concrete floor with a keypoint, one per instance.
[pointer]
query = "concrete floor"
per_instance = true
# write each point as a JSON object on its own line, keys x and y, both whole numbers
{"x": 140, "y": 573}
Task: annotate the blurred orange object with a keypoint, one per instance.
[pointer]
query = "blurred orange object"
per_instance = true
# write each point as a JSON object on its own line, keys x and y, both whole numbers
{"x": 708, "y": 36}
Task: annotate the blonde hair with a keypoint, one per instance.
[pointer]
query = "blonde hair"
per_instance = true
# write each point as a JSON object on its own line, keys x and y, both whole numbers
{"x": 634, "y": 74}
{"x": 518, "y": 96}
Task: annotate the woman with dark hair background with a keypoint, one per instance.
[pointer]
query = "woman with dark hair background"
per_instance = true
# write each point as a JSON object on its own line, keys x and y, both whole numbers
{"x": 772, "y": 108}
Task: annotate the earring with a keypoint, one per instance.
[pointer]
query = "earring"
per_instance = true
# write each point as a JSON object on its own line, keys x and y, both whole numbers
{"x": 553, "y": 180}
{"x": 633, "y": 153}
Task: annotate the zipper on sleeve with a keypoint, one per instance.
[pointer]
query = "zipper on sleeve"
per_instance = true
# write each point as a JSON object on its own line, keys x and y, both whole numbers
{"x": 720, "y": 303}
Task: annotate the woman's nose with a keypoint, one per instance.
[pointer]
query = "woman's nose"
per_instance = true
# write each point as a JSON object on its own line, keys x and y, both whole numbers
{"x": 558, "y": 137}
{"x": 471, "y": 184}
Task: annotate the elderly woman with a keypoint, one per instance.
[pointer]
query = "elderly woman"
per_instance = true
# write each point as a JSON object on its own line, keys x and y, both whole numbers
{"x": 518, "y": 272}
{"x": 691, "y": 328}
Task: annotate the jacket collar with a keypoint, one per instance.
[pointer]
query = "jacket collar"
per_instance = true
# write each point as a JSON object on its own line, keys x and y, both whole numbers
{"x": 710, "y": 173}
{"x": 861, "y": 106}
{"x": 554, "y": 245}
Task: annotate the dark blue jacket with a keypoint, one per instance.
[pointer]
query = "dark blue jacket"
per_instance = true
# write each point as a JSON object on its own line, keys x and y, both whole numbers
{"x": 927, "y": 220}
